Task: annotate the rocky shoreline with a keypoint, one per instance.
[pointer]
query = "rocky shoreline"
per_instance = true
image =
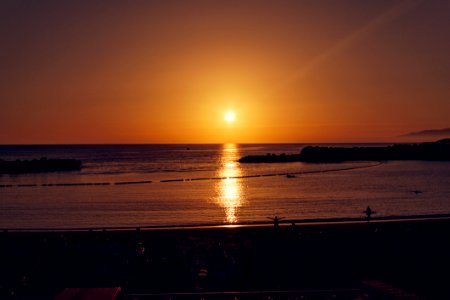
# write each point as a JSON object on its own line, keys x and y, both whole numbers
{"x": 433, "y": 151}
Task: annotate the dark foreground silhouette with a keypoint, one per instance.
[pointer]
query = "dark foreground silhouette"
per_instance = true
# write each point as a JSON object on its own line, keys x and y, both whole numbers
{"x": 439, "y": 150}
{"x": 39, "y": 165}
{"x": 305, "y": 261}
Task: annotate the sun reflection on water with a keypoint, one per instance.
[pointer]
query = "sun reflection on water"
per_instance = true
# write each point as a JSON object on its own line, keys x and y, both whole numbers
{"x": 229, "y": 189}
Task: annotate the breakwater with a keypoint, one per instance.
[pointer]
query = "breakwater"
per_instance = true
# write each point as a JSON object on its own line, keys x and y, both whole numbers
{"x": 42, "y": 165}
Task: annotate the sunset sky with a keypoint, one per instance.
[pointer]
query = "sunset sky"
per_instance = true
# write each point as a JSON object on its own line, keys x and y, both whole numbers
{"x": 168, "y": 71}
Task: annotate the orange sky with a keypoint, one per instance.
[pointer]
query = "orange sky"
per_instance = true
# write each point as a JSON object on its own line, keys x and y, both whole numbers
{"x": 167, "y": 71}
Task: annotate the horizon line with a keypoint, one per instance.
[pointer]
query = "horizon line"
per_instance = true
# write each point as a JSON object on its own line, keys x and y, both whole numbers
{"x": 224, "y": 143}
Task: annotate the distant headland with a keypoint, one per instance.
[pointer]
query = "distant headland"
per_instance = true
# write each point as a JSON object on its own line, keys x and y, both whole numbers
{"x": 42, "y": 165}
{"x": 439, "y": 150}
{"x": 430, "y": 133}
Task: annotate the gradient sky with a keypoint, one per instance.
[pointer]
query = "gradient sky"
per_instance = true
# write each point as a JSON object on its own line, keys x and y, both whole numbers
{"x": 167, "y": 71}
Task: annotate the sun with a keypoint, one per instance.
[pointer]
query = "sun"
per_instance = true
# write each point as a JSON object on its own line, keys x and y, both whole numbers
{"x": 230, "y": 116}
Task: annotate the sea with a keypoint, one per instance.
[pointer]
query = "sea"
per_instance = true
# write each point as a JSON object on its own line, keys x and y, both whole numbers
{"x": 178, "y": 185}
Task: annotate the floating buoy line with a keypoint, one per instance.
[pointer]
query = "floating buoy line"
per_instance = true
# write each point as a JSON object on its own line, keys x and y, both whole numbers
{"x": 285, "y": 174}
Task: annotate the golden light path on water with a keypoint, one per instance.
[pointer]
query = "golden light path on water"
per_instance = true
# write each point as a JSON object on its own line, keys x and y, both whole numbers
{"x": 229, "y": 189}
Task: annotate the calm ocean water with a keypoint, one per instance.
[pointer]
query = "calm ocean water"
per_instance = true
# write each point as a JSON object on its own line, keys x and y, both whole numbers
{"x": 139, "y": 185}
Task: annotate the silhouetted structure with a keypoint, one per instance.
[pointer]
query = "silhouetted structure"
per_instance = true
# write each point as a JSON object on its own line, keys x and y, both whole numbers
{"x": 369, "y": 212}
{"x": 411, "y": 254}
{"x": 276, "y": 221}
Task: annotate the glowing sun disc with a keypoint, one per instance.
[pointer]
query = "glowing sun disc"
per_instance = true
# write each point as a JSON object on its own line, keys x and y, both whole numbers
{"x": 230, "y": 116}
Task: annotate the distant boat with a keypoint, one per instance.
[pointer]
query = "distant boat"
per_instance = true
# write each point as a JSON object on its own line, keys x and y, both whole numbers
{"x": 290, "y": 176}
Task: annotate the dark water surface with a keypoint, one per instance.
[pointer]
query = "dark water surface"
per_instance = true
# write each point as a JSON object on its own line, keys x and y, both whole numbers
{"x": 139, "y": 185}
